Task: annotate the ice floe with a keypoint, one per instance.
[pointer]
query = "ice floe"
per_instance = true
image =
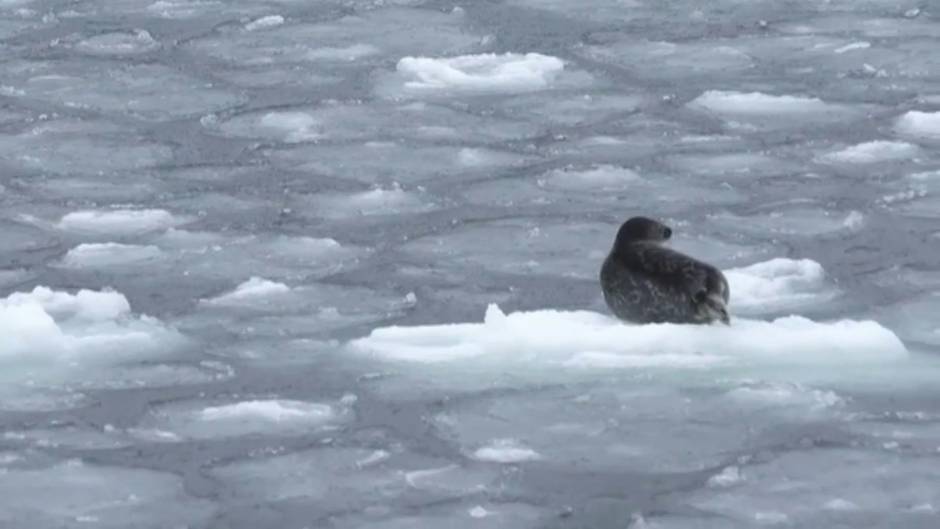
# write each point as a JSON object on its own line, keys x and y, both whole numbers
{"x": 592, "y": 340}
{"x": 49, "y": 324}
{"x": 483, "y": 73}
{"x": 874, "y": 152}
{"x": 918, "y": 124}
{"x": 118, "y": 221}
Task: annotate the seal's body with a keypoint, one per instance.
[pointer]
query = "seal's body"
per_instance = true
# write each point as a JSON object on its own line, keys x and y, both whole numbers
{"x": 646, "y": 282}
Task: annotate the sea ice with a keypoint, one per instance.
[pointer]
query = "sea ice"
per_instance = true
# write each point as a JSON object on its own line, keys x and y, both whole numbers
{"x": 86, "y": 147}
{"x": 120, "y": 222}
{"x": 390, "y": 162}
{"x": 87, "y": 325}
{"x": 119, "y": 43}
{"x": 805, "y": 486}
{"x": 377, "y": 201}
{"x": 505, "y": 451}
{"x": 277, "y": 417}
{"x": 668, "y": 60}
{"x": 476, "y": 74}
{"x": 920, "y": 125}
{"x": 110, "y": 254}
{"x": 250, "y": 292}
{"x": 769, "y": 110}
{"x": 370, "y": 121}
{"x": 777, "y": 285}
{"x": 583, "y": 339}
{"x": 75, "y": 494}
{"x": 148, "y": 91}
{"x": 874, "y": 152}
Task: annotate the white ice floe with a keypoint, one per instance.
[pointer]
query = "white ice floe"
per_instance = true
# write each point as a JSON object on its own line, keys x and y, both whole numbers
{"x": 96, "y": 255}
{"x": 51, "y": 324}
{"x": 505, "y": 451}
{"x": 251, "y": 290}
{"x": 119, "y": 221}
{"x": 177, "y": 422}
{"x": 119, "y": 43}
{"x": 269, "y": 410}
{"x": 509, "y": 72}
{"x": 919, "y": 124}
{"x": 592, "y": 340}
{"x": 873, "y": 152}
{"x": 269, "y": 21}
{"x": 757, "y": 103}
{"x": 777, "y": 284}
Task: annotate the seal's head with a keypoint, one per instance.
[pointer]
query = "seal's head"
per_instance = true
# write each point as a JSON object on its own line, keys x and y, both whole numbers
{"x": 643, "y": 229}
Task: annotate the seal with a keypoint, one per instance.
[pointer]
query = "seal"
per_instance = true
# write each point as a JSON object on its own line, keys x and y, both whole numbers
{"x": 645, "y": 282}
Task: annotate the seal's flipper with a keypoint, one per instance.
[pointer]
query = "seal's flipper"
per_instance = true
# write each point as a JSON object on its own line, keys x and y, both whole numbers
{"x": 714, "y": 306}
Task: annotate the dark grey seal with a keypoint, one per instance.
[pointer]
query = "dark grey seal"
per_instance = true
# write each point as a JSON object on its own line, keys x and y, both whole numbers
{"x": 646, "y": 282}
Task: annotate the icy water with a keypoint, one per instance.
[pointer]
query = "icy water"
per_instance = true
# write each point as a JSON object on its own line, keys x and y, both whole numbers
{"x": 334, "y": 264}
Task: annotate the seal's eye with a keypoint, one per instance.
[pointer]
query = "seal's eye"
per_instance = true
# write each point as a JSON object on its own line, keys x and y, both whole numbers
{"x": 667, "y": 233}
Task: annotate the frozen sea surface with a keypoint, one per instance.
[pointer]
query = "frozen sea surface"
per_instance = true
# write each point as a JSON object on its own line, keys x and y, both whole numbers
{"x": 334, "y": 264}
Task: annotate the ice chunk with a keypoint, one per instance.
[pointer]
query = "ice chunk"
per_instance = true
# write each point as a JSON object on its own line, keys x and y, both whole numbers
{"x": 861, "y": 45}
{"x": 118, "y": 43}
{"x": 119, "y": 221}
{"x": 51, "y": 324}
{"x": 755, "y": 109}
{"x": 728, "y": 477}
{"x": 484, "y": 73}
{"x": 776, "y": 285}
{"x": 265, "y": 22}
{"x": 500, "y": 515}
{"x": 74, "y": 494}
{"x": 248, "y": 417}
{"x": 874, "y": 152}
{"x": 98, "y": 255}
{"x": 250, "y": 290}
{"x": 918, "y": 124}
{"x": 505, "y": 451}
{"x": 383, "y": 32}
{"x": 591, "y": 340}
{"x": 757, "y": 103}
{"x": 333, "y": 478}
{"x": 669, "y": 60}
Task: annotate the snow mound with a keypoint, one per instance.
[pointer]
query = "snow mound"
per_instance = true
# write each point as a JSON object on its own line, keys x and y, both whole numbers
{"x": 920, "y": 124}
{"x": 874, "y": 152}
{"x": 508, "y": 72}
{"x": 118, "y": 221}
{"x": 777, "y": 284}
{"x": 592, "y": 340}
{"x": 49, "y": 323}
